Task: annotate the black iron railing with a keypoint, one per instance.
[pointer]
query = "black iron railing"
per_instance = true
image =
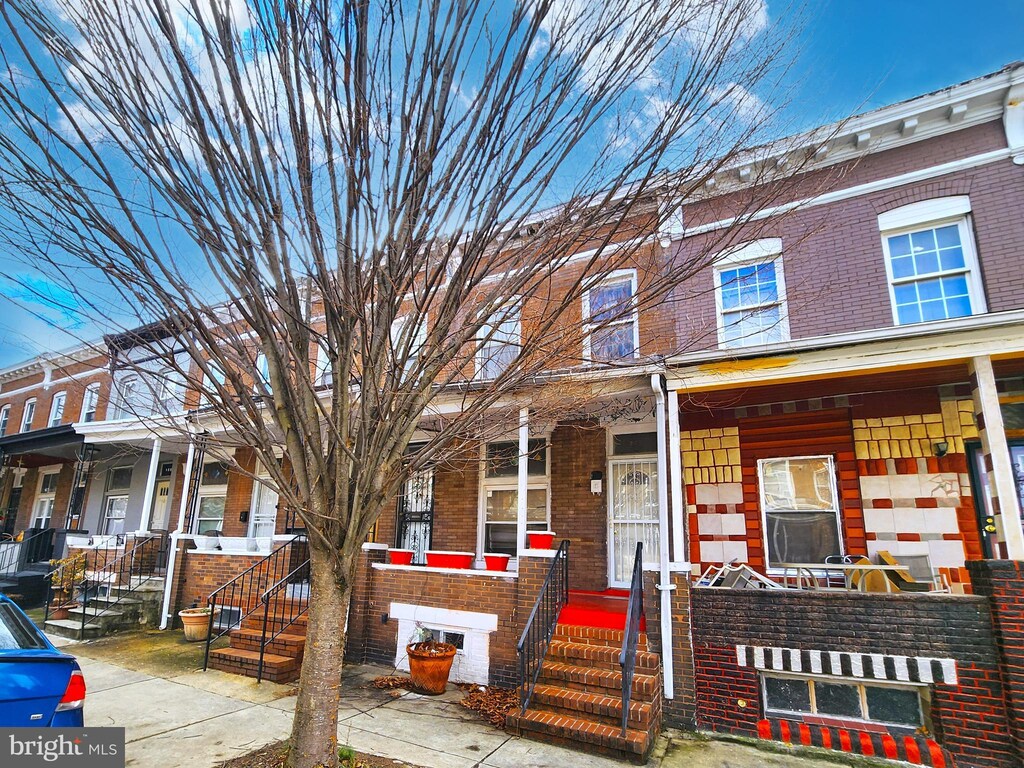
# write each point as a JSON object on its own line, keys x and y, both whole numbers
{"x": 540, "y": 627}
{"x": 631, "y": 638}
{"x": 236, "y": 600}
{"x": 36, "y": 546}
{"x": 292, "y": 522}
{"x": 286, "y": 611}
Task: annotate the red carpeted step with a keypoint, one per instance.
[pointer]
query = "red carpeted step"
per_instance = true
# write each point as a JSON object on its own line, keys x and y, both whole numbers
{"x": 606, "y": 610}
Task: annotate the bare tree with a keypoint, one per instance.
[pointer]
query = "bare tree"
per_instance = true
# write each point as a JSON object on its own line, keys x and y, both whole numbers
{"x": 387, "y": 187}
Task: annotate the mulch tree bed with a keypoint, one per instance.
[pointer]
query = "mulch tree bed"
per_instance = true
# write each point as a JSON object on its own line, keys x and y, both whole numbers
{"x": 492, "y": 704}
{"x": 273, "y": 756}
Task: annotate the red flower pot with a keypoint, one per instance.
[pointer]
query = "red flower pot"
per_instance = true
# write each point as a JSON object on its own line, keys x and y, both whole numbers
{"x": 496, "y": 562}
{"x": 541, "y": 539}
{"x": 437, "y": 558}
{"x": 400, "y": 556}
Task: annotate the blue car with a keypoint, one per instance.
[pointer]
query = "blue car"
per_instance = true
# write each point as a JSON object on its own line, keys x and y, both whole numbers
{"x": 39, "y": 685}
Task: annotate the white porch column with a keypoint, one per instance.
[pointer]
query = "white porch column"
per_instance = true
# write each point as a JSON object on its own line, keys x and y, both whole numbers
{"x": 172, "y": 554}
{"x": 522, "y": 476}
{"x": 675, "y": 463}
{"x": 147, "y": 498}
{"x": 997, "y": 454}
{"x": 665, "y": 585}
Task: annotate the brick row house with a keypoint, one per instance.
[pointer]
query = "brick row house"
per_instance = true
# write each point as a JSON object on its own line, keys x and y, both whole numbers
{"x": 820, "y": 445}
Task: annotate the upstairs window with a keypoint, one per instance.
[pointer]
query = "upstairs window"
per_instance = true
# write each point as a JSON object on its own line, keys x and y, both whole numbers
{"x": 5, "y": 417}
{"x": 610, "y": 315}
{"x": 324, "y": 372}
{"x": 127, "y": 397}
{"x": 57, "y": 409}
{"x": 931, "y": 262}
{"x": 402, "y": 346}
{"x": 261, "y": 379}
{"x": 28, "y": 414}
{"x": 170, "y": 393}
{"x": 750, "y": 294}
{"x": 90, "y": 402}
{"x": 500, "y": 340}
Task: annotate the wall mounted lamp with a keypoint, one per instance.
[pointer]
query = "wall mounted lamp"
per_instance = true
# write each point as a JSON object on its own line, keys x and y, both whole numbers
{"x": 941, "y": 448}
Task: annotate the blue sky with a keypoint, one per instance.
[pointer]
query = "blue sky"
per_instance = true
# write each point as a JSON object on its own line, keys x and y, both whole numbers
{"x": 851, "y": 57}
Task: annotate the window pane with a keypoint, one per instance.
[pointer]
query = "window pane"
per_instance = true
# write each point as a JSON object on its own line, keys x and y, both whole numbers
{"x": 49, "y": 484}
{"x": 948, "y": 236}
{"x": 933, "y": 310}
{"x": 215, "y": 473}
{"x": 837, "y": 699}
{"x": 787, "y": 694}
{"x": 120, "y": 477}
{"x": 211, "y": 514}
{"x": 926, "y": 263}
{"x": 798, "y": 484}
{"x": 730, "y": 298}
{"x": 611, "y": 300}
{"x": 903, "y": 267}
{"x": 899, "y": 245}
{"x": 929, "y": 289}
{"x": 634, "y": 442}
{"x": 894, "y": 705}
{"x": 802, "y": 537}
{"x": 614, "y": 343}
{"x": 911, "y": 313}
{"x": 922, "y": 241}
{"x": 503, "y": 458}
{"x": 496, "y": 358}
{"x": 952, "y": 258}
{"x": 501, "y": 505}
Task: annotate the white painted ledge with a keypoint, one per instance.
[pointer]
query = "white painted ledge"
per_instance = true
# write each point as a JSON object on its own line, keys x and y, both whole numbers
{"x": 468, "y": 572}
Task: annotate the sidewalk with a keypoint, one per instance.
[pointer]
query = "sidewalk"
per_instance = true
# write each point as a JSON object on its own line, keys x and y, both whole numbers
{"x": 175, "y": 714}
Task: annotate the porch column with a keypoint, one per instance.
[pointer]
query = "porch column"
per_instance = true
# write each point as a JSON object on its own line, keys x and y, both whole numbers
{"x": 675, "y": 463}
{"x": 172, "y": 551}
{"x": 996, "y": 454}
{"x": 147, "y": 498}
{"x": 665, "y": 585}
{"x": 522, "y": 476}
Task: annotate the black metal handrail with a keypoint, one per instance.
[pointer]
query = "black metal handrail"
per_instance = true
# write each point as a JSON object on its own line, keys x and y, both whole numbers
{"x": 631, "y": 637}
{"x": 540, "y": 627}
{"x": 242, "y": 593}
{"x": 35, "y": 546}
{"x": 57, "y": 575}
{"x": 285, "y": 614}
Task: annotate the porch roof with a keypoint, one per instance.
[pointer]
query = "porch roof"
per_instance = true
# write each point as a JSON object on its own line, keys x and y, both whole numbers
{"x": 41, "y": 446}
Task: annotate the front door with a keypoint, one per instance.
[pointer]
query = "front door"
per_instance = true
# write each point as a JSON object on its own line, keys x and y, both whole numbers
{"x": 632, "y": 514}
{"x": 158, "y": 521}
{"x": 264, "y": 511}
{"x": 11, "y": 513}
{"x": 416, "y": 514}
{"x": 983, "y": 494}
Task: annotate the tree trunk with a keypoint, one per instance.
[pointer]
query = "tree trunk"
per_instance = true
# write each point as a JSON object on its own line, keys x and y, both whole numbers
{"x": 314, "y": 740}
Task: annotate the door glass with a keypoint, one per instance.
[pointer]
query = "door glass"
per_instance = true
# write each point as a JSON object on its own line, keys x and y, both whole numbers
{"x": 634, "y": 514}
{"x": 264, "y": 513}
{"x": 159, "y": 519}
{"x": 415, "y": 514}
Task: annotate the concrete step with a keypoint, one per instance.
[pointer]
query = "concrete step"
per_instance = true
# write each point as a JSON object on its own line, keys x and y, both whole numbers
{"x": 646, "y": 685}
{"x": 284, "y": 644}
{"x": 109, "y": 619}
{"x": 72, "y": 629}
{"x": 598, "y": 707}
{"x": 581, "y": 733}
{"x": 597, "y": 656}
{"x": 276, "y": 668}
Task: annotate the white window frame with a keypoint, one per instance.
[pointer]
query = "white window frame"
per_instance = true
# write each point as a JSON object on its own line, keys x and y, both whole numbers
{"x": 859, "y": 683}
{"x": 171, "y": 391}
{"x": 323, "y": 370}
{"x": 107, "y": 505}
{"x": 125, "y": 408}
{"x": 499, "y": 318}
{"x": 217, "y": 377}
{"x": 90, "y": 402}
{"x": 633, "y": 317}
{"x": 833, "y": 487}
{"x": 765, "y": 251}
{"x": 5, "y": 418}
{"x": 932, "y": 214}
{"x": 210, "y": 492}
{"x": 59, "y": 399}
{"x": 417, "y": 342}
{"x": 258, "y": 489}
{"x": 49, "y": 496}
{"x": 510, "y": 483}
{"x": 28, "y": 414}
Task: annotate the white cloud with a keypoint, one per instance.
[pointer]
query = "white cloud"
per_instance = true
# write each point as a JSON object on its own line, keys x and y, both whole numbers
{"x": 742, "y": 103}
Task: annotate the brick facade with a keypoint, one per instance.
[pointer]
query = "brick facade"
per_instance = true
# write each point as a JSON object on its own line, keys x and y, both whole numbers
{"x": 968, "y": 716}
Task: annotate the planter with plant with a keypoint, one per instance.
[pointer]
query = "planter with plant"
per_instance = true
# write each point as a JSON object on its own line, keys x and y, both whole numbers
{"x": 196, "y": 623}
{"x": 430, "y": 662}
{"x": 67, "y": 574}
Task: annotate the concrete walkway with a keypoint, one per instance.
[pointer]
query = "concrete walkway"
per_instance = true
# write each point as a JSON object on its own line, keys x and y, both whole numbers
{"x": 177, "y": 715}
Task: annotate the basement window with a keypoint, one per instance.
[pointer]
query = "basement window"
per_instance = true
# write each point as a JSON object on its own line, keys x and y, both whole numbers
{"x": 458, "y": 639}
{"x": 834, "y": 698}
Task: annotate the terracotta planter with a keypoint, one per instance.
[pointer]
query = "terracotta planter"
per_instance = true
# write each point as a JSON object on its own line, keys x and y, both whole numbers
{"x": 196, "y": 623}
{"x": 496, "y": 562}
{"x": 61, "y": 611}
{"x": 429, "y": 666}
{"x": 437, "y": 558}
{"x": 400, "y": 556}
{"x": 541, "y": 539}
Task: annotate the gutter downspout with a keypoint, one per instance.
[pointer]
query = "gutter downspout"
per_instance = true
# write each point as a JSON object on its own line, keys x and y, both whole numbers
{"x": 675, "y": 461}
{"x": 666, "y": 586}
{"x": 172, "y": 555}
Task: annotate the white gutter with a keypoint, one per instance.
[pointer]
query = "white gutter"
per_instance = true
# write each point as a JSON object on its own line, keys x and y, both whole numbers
{"x": 172, "y": 555}
{"x": 675, "y": 462}
{"x": 666, "y": 586}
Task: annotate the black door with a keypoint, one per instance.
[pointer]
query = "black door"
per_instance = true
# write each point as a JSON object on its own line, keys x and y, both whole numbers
{"x": 11, "y": 512}
{"x": 979, "y": 486}
{"x": 416, "y": 514}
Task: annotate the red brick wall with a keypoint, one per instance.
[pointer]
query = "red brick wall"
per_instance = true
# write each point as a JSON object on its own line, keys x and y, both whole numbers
{"x": 456, "y": 501}
{"x": 678, "y": 711}
{"x": 203, "y": 574}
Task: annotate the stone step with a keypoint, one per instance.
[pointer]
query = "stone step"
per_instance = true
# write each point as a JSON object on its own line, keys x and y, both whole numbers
{"x": 581, "y": 733}
{"x": 72, "y": 629}
{"x": 284, "y": 644}
{"x": 239, "y": 661}
{"x": 646, "y": 686}
{"x": 597, "y": 656}
{"x": 598, "y": 707}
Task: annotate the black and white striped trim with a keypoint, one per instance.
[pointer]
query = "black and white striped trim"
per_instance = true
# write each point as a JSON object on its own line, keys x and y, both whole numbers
{"x": 872, "y": 666}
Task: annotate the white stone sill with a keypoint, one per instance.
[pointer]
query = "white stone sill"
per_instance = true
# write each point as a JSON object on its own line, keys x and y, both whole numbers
{"x": 453, "y": 571}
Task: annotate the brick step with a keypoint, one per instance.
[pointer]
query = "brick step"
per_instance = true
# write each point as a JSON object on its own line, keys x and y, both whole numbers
{"x": 593, "y": 706}
{"x": 585, "y": 734}
{"x": 283, "y": 645}
{"x": 239, "y": 661}
{"x": 646, "y": 686}
{"x": 595, "y": 636}
{"x": 296, "y": 624}
{"x": 599, "y": 656}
